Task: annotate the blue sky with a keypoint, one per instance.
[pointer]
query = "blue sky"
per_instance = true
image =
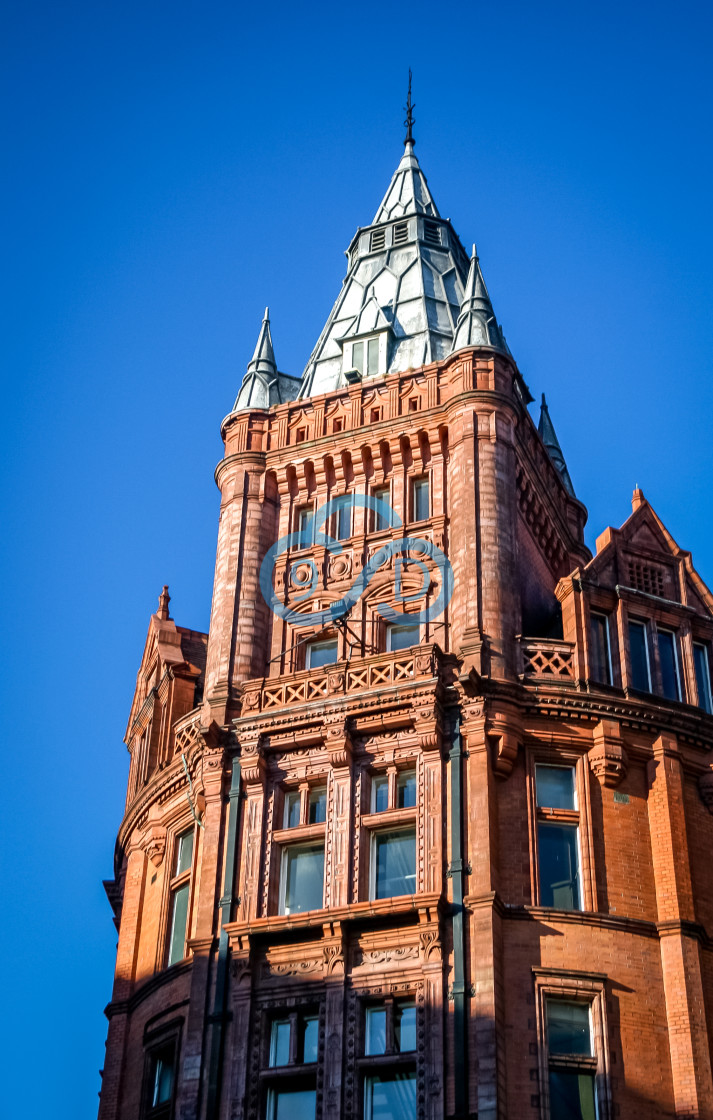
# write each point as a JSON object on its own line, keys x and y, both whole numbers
{"x": 172, "y": 168}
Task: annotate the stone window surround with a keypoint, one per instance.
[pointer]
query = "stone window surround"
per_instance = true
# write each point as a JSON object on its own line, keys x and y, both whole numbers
{"x": 175, "y": 828}
{"x": 167, "y": 1034}
{"x": 562, "y": 756}
{"x": 574, "y": 987}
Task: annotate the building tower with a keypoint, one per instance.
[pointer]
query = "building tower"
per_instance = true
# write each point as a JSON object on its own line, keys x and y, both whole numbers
{"x": 422, "y": 826}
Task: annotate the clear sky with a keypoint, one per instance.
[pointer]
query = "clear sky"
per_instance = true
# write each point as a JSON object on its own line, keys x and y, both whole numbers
{"x": 172, "y": 168}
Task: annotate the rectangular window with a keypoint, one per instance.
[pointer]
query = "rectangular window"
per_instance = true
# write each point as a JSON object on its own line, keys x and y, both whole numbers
{"x": 668, "y": 659}
{"x": 383, "y": 513}
{"x": 358, "y": 357}
{"x": 372, "y": 357}
{"x": 571, "y": 1060}
{"x": 421, "y": 504}
{"x": 280, "y": 1042}
{"x": 380, "y": 793}
{"x": 309, "y": 1041}
{"x": 317, "y": 813}
{"x": 161, "y": 1081}
{"x": 557, "y": 837}
{"x": 293, "y": 806}
{"x": 402, "y": 636}
{"x": 405, "y": 1027}
{"x": 406, "y": 790}
{"x": 291, "y": 1104}
{"x": 319, "y": 654}
{"x": 703, "y": 677}
{"x": 390, "y": 1096}
{"x": 305, "y": 527}
{"x": 344, "y": 518}
{"x": 375, "y": 1035}
{"x": 180, "y": 897}
{"x": 302, "y": 878}
{"x": 639, "y": 656}
{"x": 394, "y": 863}
{"x": 600, "y": 649}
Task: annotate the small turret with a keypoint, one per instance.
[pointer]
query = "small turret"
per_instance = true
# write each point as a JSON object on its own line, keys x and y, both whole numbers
{"x": 549, "y": 438}
{"x": 477, "y": 325}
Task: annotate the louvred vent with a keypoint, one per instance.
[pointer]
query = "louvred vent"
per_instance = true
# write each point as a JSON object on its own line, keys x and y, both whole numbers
{"x": 431, "y": 233}
{"x": 400, "y": 233}
{"x": 378, "y": 240}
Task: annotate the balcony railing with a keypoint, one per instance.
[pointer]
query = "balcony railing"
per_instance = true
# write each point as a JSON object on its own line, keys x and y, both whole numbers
{"x": 547, "y": 660}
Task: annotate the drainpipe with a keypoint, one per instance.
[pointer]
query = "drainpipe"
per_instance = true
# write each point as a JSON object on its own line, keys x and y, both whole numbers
{"x": 456, "y": 872}
{"x": 220, "y": 1005}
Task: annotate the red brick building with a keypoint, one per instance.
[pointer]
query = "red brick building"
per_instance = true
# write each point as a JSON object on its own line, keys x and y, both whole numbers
{"x": 385, "y": 855}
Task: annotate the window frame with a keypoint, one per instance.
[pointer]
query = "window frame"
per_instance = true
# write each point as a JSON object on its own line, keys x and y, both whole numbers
{"x": 169, "y": 1035}
{"x": 288, "y": 850}
{"x": 383, "y": 493}
{"x": 379, "y": 834}
{"x": 416, "y": 483}
{"x": 645, "y": 625}
{"x": 601, "y": 614}
{"x": 703, "y": 646}
{"x": 392, "y": 1061}
{"x": 315, "y": 643}
{"x": 300, "y": 512}
{"x": 581, "y": 817}
{"x": 176, "y": 882}
{"x": 391, "y": 626}
{"x": 673, "y": 634}
{"x": 583, "y": 988}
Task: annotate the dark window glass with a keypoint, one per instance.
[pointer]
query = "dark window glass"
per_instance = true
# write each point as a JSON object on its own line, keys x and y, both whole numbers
{"x": 184, "y": 854}
{"x": 404, "y": 636}
{"x": 395, "y": 872}
{"x": 162, "y": 1075}
{"x": 390, "y": 1096}
{"x": 703, "y": 677}
{"x": 321, "y": 653}
{"x": 179, "y": 919}
{"x": 568, "y": 1028}
{"x": 317, "y": 806}
{"x": 599, "y": 648}
{"x": 303, "y": 871}
{"x": 558, "y": 865}
{"x": 280, "y": 1043}
{"x": 375, "y": 1041}
{"x": 292, "y": 1104}
{"x": 669, "y": 665}
{"x": 555, "y": 787}
{"x": 572, "y": 1095}
{"x": 421, "y": 504}
{"x": 344, "y": 519}
{"x": 310, "y": 1039}
{"x": 638, "y": 651}
{"x": 379, "y": 794}
{"x": 406, "y": 790}
{"x": 383, "y": 515}
{"x": 405, "y": 1026}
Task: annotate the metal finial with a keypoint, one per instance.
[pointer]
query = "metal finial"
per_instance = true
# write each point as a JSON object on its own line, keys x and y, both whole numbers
{"x": 409, "y": 122}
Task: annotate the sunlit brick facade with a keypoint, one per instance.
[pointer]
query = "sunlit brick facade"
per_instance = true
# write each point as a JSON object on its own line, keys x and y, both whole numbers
{"x": 463, "y": 869}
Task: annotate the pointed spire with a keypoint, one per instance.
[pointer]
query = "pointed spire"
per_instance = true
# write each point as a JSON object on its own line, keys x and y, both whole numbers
{"x": 260, "y": 386}
{"x": 409, "y": 122}
{"x": 163, "y": 600}
{"x": 549, "y": 438}
{"x": 477, "y": 325}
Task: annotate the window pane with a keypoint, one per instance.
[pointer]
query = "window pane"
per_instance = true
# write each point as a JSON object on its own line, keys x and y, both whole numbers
{"x": 572, "y": 1096}
{"x": 178, "y": 924}
{"x": 382, "y": 520}
{"x": 395, "y": 863}
{"x": 280, "y": 1043}
{"x": 310, "y": 1039}
{"x": 406, "y": 790}
{"x": 163, "y": 1077}
{"x": 318, "y": 806}
{"x": 292, "y": 810}
{"x": 703, "y": 677}
{"x": 390, "y": 1097}
{"x": 669, "y": 666}
{"x": 421, "y": 506}
{"x": 599, "y": 648}
{"x": 373, "y": 357}
{"x": 568, "y": 1028}
{"x": 344, "y": 520}
{"x": 405, "y": 1027}
{"x": 375, "y": 1041}
{"x": 305, "y": 527}
{"x": 640, "y": 677}
{"x": 303, "y": 869}
{"x": 358, "y": 357}
{"x": 559, "y": 866}
{"x": 184, "y": 855}
{"x": 321, "y": 653}
{"x": 555, "y": 787}
{"x": 379, "y": 794}
{"x": 292, "y": 1104}
{"x": 403, "y": 637}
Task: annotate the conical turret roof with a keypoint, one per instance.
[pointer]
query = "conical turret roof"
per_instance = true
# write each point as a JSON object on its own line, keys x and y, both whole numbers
{"x": 549, "y": 437}
{"x": 262, "y": 385}
{"x": 477, "y": 325}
